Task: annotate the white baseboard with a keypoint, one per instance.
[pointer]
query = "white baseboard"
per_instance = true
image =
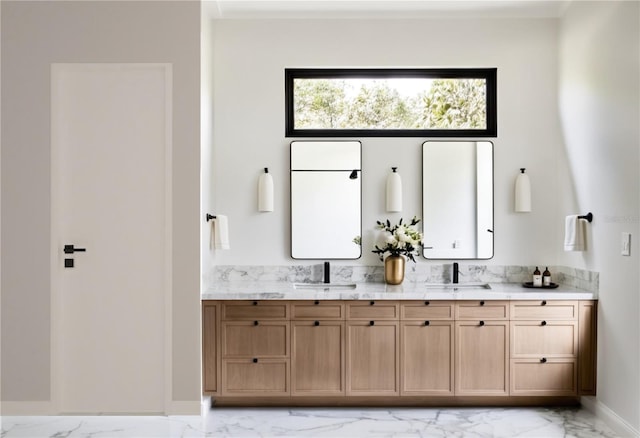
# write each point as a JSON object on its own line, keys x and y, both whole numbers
{"x": 11, "y": 408}
{"x": 613, "y": 420}
{"x": 184, "y": 408}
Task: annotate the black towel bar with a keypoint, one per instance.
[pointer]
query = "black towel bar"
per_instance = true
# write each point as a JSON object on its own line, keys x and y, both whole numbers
{"x": 210, "y": 216}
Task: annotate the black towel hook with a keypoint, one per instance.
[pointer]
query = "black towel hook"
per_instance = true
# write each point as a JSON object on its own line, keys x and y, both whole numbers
{"x": 210, "y": 216}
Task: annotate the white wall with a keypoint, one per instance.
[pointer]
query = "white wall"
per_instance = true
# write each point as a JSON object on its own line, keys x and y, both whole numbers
{"x": 34, "y": 35}
{"x": 599, "y": 100}
{"x": 249, "y": 61}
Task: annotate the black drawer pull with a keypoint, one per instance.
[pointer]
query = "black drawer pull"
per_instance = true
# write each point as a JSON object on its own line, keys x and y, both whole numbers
{"x": 481, "y": 323}
{"x": 543, "y": 360}
{"x": 317, "y": 323}
{"x": 543, "y": 323}
{"x": 544, "y": 303}
{"x": 255, "y": 323}
{"x": 426, "y": 303}
{"x": 255, "y": 360}
{"x": 427, "y": 323}
{"x": 482, "y": 303}
{"x": 371, "y": 303}
{"x": 372, "y": 322}
{"x": 316, "y": 302}
{"x": 255, "y": 303}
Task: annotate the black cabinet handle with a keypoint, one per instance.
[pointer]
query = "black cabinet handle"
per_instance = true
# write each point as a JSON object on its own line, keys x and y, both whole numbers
{"x": 481, "y": 323}
{"x": 316, "y": 302}
{"x": 255, "y": 360}
{"x": 482, "y": 303}
{"x": 255, "y": 303}
{"x": 426, "y": 323}
{"x": 543, "y": 323}
{"x": 317, "y": 323}
{"x": 371, "y": 303}
{"x": 544, "y": 303}
{"x": 255, "y": 323}
{"x": 543, "y": 360}
{"x": 372, "y": 322}
{"x": 426, "y": 303}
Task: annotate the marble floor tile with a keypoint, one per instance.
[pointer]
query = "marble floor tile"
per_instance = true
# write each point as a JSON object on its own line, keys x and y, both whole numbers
{"x": 322, "y": 422}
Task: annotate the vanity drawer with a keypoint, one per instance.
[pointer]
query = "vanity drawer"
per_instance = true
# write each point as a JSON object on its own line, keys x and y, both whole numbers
{"x": 535, "y": 339}
{"x": 426, "y": 310}
{"x": 255, "y": 377}
{"x": 317, "y": 309}
{"x": 255, "y": 339}
{"x": 373, "y": 310}
{"x": 544, "y": 377}
{"x": 237, "y": 310}
{"x": 482, "y": 309}
{"x": 544, "y": 309}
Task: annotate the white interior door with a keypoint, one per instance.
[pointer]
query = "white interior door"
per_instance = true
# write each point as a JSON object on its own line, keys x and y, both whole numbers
{"x": 111, "y": 144}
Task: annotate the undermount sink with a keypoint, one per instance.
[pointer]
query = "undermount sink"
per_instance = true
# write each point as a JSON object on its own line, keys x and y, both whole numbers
{"x": 324, "y": 285}
{"x": 458, "y": 286}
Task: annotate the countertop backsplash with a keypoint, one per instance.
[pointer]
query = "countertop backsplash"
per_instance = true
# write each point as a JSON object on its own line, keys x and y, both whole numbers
{"x": 415, "y": 273}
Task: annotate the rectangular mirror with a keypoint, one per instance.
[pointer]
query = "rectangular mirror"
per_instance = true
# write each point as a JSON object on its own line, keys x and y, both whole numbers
{"x": 457, "y": 199}
{"x": 326, "y": 194}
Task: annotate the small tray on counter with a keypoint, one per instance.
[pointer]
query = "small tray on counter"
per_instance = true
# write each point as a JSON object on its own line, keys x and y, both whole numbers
{"x": 529, "y": 284}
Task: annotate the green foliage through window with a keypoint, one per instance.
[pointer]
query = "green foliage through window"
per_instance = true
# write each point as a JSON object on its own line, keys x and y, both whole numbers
{"x": 391, "y": 102}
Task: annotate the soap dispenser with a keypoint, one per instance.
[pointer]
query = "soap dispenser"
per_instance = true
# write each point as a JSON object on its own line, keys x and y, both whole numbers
{"x": 537, "y": 278}
{"x": 546, "y": 277}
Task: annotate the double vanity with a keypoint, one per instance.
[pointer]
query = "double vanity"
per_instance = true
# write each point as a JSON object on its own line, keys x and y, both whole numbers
{"x": 278, "y": 343}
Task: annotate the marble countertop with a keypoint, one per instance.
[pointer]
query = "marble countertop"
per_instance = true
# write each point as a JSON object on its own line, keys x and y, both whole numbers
{"x": 281, "y": 290}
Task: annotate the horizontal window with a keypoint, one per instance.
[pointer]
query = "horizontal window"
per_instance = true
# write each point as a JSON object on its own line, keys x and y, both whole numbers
{"x": 390, "y": 102}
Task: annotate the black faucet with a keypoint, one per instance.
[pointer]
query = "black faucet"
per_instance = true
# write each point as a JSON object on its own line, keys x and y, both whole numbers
{"x": 327, "y": 273}
{"x": 455, "y": 272}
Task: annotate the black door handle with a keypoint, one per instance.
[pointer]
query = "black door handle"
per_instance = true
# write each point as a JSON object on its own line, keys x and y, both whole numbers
{"x": 70, "y": 249}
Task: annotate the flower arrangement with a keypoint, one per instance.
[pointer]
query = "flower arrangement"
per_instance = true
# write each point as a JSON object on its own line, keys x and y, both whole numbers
{"x": 402, "y": 239}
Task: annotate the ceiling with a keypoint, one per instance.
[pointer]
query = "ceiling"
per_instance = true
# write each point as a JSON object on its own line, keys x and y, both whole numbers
{"x": 236, "y": 9}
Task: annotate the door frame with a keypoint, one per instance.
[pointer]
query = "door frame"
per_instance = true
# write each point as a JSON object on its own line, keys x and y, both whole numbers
{"x": 55, "y": 252}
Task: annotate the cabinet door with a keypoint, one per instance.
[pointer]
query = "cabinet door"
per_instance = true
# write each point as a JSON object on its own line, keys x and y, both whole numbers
{"x": 426, "y": 358}
{"x": 534, "y": 339}
{"x": 265, "y": 339}
{"x": 210, "y": 366}
{"x": 588, "y": 319}
{"x": 372, "y": 358}
{"x": 482, "y": 358}
{"x": 543, "y": 377}
{"x": 317, "y": 358}
{"x": 255, "y": 377}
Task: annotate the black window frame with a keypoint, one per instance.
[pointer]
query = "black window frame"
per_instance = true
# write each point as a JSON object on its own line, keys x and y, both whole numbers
{"x": 488, "y": 74}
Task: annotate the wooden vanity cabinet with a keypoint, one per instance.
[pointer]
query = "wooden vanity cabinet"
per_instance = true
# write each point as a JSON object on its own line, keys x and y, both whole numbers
{"x": 317, "y": 348}
{"x": 482, "y": 348}
{"x": 358, "y": 351}
{"x": 427, "y": 348}
{"x": 544, "y": 348}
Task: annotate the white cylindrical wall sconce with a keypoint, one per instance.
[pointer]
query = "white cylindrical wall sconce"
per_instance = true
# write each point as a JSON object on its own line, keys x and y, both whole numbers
{"x": 523, "y": 192}
{"x": 394, "y": 191}
{"x": 265, "y": 191}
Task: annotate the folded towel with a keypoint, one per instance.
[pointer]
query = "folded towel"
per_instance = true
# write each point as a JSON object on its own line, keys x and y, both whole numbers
{"x": 220, "y": 233}
{"x": 575, "y": 231}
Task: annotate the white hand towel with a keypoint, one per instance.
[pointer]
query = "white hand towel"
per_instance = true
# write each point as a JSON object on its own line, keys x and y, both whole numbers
{"x": 575, "y": 233}
{"x": 220, "y": 232}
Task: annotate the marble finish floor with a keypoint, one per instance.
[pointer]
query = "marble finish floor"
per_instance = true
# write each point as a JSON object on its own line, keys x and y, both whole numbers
{"x": 322, "y": 422}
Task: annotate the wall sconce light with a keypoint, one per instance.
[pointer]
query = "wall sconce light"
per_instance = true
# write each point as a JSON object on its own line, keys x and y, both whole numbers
{"x": 265, "y": 191}
{"x": 394, "y": 191}
{"x": 523, "y": 192}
